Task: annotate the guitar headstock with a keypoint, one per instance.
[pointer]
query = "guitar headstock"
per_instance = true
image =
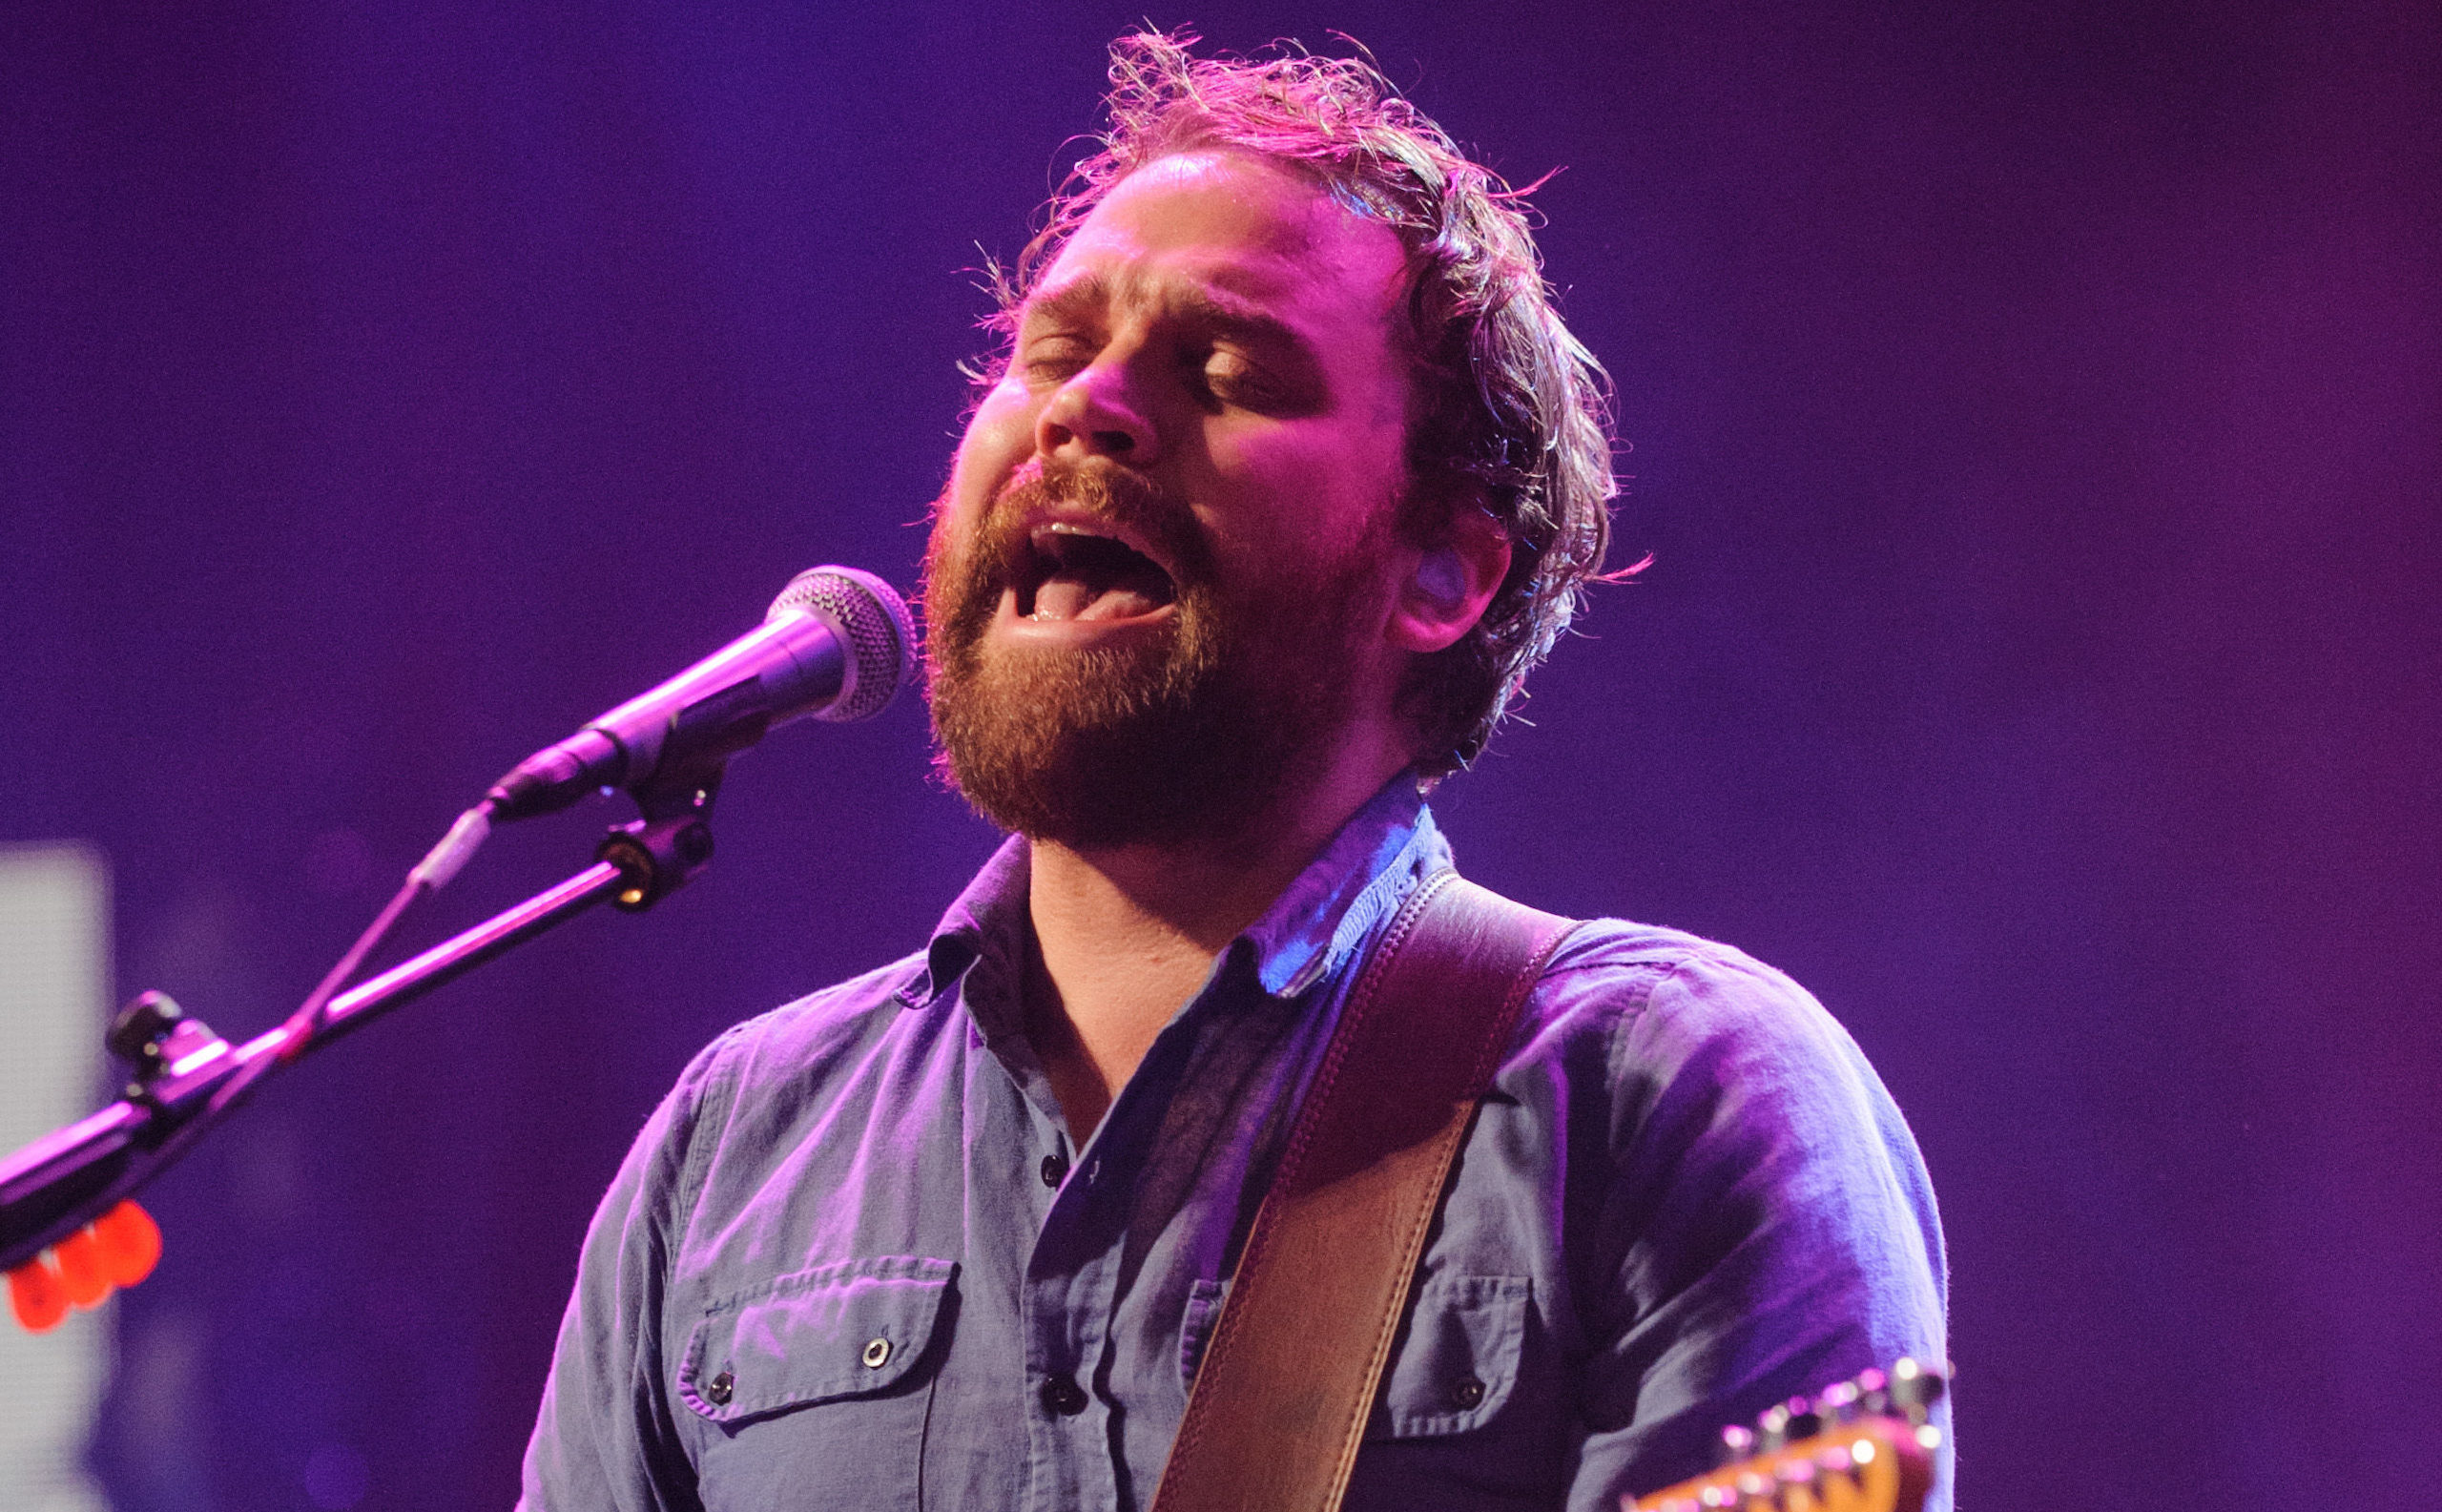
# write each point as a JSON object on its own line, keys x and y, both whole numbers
{"x": 1863, "y": 1445}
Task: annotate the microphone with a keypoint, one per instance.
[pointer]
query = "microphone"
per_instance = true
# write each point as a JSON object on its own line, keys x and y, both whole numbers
{"x": 837, "y": 645}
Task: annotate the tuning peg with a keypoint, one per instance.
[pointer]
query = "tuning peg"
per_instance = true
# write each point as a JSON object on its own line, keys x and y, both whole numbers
{"x": 1787, "y": 1424}
{"x": 1873, "y": 1393}
{"x": 1804, "y": 1421}
{"x": 1736, "y": 1444}
{"x": 1773, "y": 1429}
{"x": 1916, "y": 1386}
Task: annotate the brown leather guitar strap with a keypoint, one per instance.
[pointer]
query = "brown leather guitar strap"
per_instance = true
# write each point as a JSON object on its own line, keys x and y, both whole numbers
{"x": 1281, "y": 1401}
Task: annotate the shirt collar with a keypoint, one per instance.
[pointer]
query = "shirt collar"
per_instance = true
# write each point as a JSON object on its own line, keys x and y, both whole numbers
{"x": 990, "y": 910}
{"x": 1316, "y": 923}
{"x": 1335, "y": 903}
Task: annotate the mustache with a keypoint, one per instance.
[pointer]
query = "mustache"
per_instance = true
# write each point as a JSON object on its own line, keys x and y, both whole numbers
{"x": 1115, "y": 496}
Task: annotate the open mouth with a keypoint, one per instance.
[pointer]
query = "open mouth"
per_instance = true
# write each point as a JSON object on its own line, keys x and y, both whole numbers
{"x": 1073, "y": 574}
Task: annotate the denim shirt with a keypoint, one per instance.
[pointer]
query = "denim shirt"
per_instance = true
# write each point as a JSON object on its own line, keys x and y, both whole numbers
{"x": 855, "y": 1259}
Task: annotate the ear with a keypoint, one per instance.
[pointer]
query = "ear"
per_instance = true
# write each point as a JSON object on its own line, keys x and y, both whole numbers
{"x": 1451, "y": 584}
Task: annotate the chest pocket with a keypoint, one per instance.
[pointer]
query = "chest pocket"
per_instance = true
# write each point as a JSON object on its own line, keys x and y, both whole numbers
{"x": 813, "y": 1388}
{"x": 1455, "y": 1369}
{"x": 1458, "y": 1364}
{"x": 855, "y": 1328}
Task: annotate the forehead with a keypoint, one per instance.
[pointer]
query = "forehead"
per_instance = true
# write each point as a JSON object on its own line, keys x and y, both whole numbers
{"x": 1224, "y": 222}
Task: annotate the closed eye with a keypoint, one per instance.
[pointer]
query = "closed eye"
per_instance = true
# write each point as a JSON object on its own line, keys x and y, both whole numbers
{"x": 1056, "y": 357}
{"x": 1233, "y": 379}
{"x": 1228, "y": 377}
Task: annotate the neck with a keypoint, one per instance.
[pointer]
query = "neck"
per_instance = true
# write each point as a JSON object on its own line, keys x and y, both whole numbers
{"x": 1123, "y": 935}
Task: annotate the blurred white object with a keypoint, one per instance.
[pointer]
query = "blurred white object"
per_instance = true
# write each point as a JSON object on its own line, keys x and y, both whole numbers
{"x": 54, "y": 999}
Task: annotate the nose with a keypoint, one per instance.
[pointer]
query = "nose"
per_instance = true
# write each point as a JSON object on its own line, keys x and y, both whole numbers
{"x": 1097, "y": 414}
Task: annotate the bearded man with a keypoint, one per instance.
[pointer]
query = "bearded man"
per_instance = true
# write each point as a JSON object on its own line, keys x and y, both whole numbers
{"x": 1287, "y": 475}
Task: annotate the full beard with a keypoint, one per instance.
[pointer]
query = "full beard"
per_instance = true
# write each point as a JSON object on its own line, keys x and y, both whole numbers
{"x": 1189, "y": 732}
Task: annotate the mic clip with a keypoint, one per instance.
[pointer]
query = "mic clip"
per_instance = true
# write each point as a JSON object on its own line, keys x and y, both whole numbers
{"x": 658, "y": 853}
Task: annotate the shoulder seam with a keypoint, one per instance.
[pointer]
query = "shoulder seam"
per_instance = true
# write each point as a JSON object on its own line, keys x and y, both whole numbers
{"x": 723, "y": 1073}
{"x": 711, "y": 1106}
{"x": 1622, "y": 1023}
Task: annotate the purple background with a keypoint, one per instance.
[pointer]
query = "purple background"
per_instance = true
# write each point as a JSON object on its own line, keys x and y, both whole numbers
{"x": 2035, "y": 414}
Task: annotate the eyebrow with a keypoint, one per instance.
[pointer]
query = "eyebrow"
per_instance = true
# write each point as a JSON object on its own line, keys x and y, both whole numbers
{"x": 1091, "y": 291}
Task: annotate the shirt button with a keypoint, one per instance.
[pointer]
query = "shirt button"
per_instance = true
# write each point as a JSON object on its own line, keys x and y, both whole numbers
{"x": 1055, "y": 1170}
{"x": 1064, "y": 1396}
{"x": 717, "y": 1389}
{"x": 1466, "y": 1391}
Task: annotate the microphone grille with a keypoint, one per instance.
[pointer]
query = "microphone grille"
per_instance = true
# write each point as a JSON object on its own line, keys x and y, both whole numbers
{"x": 871, "y": 621}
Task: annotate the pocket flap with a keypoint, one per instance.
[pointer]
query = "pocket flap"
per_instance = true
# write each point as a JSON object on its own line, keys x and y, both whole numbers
{"x": 846, "y": 1330}
{"x": 1458, "y": 1361}
{"x": 1204, "y": 1299}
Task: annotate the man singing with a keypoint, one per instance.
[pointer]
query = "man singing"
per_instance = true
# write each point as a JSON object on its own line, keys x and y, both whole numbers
{"x": 1286, "y": 476}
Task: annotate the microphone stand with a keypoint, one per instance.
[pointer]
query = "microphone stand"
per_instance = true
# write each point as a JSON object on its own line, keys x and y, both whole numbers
{"x": 66, "y": 1179}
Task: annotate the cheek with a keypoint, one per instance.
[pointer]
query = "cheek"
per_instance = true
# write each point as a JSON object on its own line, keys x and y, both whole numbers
{"x": 999, "y": 436}
{"x": 1318, "y": 490}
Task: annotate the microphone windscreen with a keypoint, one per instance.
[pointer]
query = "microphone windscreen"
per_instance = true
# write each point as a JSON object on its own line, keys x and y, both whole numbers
{"x": 871, "y": 622}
